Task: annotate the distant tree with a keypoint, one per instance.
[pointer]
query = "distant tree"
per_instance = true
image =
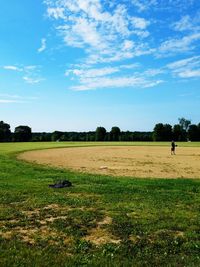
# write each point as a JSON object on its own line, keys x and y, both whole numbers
{"x": 198, "y": 125}
{"x": 179, "y": 134}
{"x": 5, "y": 132}
{"x": 56, "y": 136}
{"x": 141, "y": 136}
{"x": 100, "y": 134}
{"x": 46, "y": 137}
{"x": 167, "y": 136}
{"x": 162, "y": 132}
{"x": 193, "y": 133}
{"x": 115, "y": 133}
{"x": 22, "y": 134}
{"x": 184, "y": 123}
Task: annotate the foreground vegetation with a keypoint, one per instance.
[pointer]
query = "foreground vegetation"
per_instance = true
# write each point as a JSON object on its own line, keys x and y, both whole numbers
{"x": 99, "y": 221}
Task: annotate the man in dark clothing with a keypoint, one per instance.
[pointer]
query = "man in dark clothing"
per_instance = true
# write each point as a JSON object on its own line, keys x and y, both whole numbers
{"x": 173, "y": 146}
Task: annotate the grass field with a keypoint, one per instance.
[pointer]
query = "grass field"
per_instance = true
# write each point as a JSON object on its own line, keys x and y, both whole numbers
{"x": 99, "y": 221}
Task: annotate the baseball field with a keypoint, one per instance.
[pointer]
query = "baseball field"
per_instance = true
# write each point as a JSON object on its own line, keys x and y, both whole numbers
{"x": 130, "y": 204}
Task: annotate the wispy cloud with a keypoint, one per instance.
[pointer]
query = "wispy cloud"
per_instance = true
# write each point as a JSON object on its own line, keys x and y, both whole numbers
{"x": 112, "y": 33}
{"x": 87, "y": 72}
{"x": 143, "y": 5}
{"x": 32, "y": 80}
{"x": 139, "y": 23}
{"x": 187, "y": 23}
{"x": 93, "y": 72}
{"x": 192, "y": 62}
{"x": 18, "y": 97}
{"x": 87, "y": 25}
{"x": 190, "y": 73}
{"x": 30, "y": 74}
{"x": 13, "y": 68}
{"x": 12, "y": 99}
{"x": 118, "y": 82}
{"x": 179, "y": 45}
{"x": 9, "y": 101}
{"x": 113, "y": 77}
{"x": 146, "y": 5}
{"x": 186, "y": 68}
{"x": 43, "y": 45}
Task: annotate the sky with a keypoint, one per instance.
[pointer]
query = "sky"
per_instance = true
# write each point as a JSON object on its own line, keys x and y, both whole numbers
{"x": 74, "y": 65}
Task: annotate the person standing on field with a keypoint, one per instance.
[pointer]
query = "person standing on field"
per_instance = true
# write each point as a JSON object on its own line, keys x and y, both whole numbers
{"x": 173, "y": 146}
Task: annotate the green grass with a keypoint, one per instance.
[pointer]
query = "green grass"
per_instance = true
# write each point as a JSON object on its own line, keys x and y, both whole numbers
{"x": 6, "y": 148}
{"x": 154, "y": 222}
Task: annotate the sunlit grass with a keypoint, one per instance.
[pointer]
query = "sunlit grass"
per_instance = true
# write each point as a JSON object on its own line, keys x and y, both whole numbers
{"x": 99, "y": 221}
{"x": 6, "y": 148}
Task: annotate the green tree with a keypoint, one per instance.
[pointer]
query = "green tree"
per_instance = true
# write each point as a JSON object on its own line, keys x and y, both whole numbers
{"x": 179, "y": 134}
{"x": 22, "y": 134}
{"x": 184, "y": 123}
{"x": 56, "y": 136}
{"x": 115, "y": 133}
{"x": 193, "y": 133}
{"x": 5, "y": 132}
{"x": 162, "y": 132}
{"x": 100, "y": 134}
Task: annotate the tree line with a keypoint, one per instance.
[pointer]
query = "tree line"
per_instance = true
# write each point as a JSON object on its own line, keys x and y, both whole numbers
{"x": 183, "y": 131}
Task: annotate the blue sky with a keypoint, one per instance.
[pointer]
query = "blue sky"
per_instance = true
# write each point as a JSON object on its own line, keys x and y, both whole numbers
{"x": 73, "y": 65}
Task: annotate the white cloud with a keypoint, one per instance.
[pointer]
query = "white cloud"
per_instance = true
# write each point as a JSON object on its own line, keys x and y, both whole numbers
{"x": 192, "y": 61}
{"x": 153, "y": 72}
{"x": 85, "y": 33}
{"x": 130, "y": 66}
{"x": 109, "y": 36}
{"x": 30, "y": 73}
{"x": 102, "y": 34}
{"x": 186, "y": 68}
{"x": 112, "y": 77}
{"x": 116, "y": 82}
{"x": 143, "y": 5}
{"x": 83, "y": 73}
{"x": 128, "y": 45}
{"x": 18, "y": 98}
{"x": 173, "y": 46}
{"x": 183, "y": 24}
{"x": 43, "y": 45}
{"x": 9, "y": 101}
{"x": 146, "y": 5}
{"x": 14, "y": 68}
{"x": 186, "y": 23}
{"x": 32, "y": 80}
{"x": 56, "y": 13}
{"x": 139, "y": 23}
{"x": 190, "y": 74}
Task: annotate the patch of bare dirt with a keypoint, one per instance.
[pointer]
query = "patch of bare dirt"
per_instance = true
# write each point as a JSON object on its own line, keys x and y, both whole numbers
{"x": 30, "y": 233}
{"x": 6, "y": 234}
{"x": 100, "y": 235}
{"x": 132, "y": 161}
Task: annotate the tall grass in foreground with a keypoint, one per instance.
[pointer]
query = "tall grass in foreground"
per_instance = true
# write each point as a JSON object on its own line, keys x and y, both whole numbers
{"x": 100, "y": 221}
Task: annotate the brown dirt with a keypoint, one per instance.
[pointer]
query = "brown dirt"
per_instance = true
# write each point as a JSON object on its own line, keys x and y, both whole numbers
{"x": 100, "y": 235}
{"x": 30, "y": 233}
{"x": 135, "y": 161}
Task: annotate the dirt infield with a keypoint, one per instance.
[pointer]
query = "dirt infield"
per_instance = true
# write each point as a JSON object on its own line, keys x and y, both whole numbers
{"x": 135, "y": 161}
